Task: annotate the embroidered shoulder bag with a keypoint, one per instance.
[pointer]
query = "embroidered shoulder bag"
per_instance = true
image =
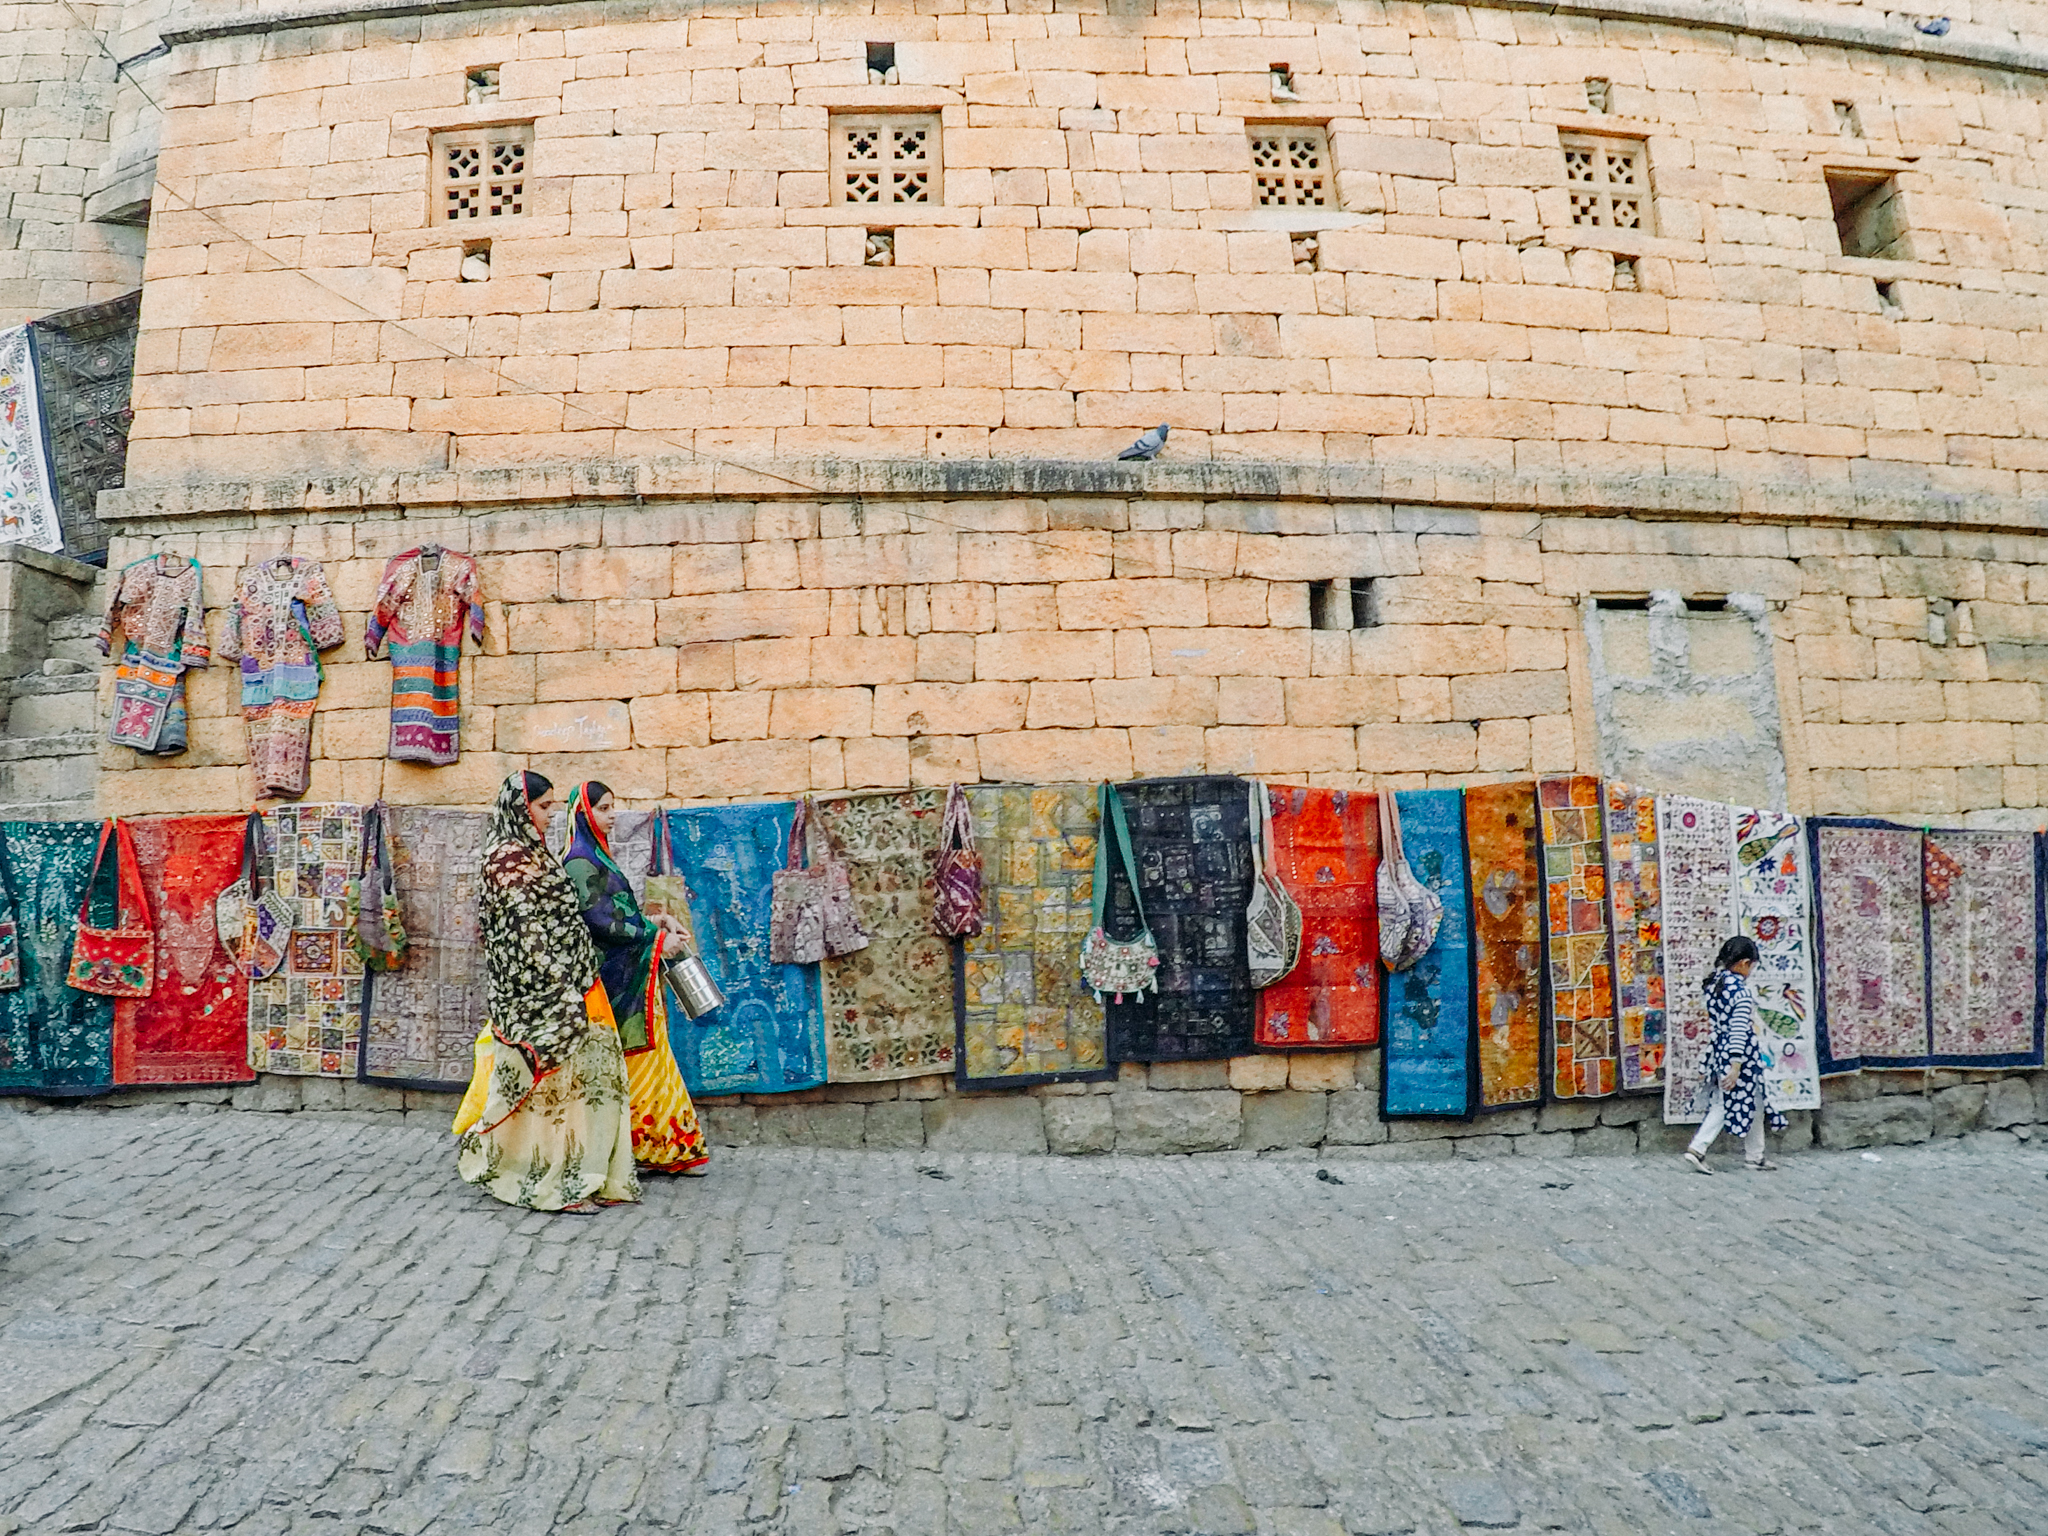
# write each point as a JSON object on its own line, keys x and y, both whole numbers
{"x": 957, "y": 909}
{"x": 254, "y": 921}
{"x": 119, "y": 961}
{"x": 811, "y": 912}
{"x": 1410, "y": 912}
{"x": 1272, "y": 920}
{"x": 1117, "y": 966}
{"x": 376, "y": 927}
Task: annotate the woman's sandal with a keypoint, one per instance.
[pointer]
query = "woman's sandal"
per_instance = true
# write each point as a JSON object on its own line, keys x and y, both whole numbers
{"x": 700, "y": 1170}
{"x": 580, "y": 1208}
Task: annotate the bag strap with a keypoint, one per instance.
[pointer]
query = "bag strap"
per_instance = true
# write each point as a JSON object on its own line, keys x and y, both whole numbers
{"x": 1255, "y": 803}
{"x": 957, "y": 836}
{"x": 1111, "y": 811}
{"x": 132, "y": 898}
{"x": 798, "y": 843}
{"x": 92, "y": 881}
{"x": 660, "y": 857}
{"x": 252, "y": 865}
{"x": 1390, "y": 812}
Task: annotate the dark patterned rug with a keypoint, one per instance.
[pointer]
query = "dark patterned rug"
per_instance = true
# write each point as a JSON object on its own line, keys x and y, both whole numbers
{"x": 85, "y": 364}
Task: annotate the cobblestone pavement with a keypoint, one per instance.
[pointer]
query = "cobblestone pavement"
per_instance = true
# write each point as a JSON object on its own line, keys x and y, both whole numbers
{"x": 305, "y": 1324}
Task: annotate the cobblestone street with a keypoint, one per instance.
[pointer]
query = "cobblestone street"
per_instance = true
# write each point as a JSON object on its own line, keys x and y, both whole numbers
{"x": 272, "y": 1324}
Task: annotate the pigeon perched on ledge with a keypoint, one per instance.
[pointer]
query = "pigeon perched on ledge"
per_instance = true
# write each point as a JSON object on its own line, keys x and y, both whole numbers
{"x": 1148, "y": 446}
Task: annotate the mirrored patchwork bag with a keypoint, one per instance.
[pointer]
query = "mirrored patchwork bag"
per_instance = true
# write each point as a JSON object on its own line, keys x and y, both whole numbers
{"x": 1272, "y": 918}
{"x": 1118, "y": 967}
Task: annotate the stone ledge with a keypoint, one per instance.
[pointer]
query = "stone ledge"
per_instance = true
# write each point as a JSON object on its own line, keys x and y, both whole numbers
{"x": 1998, "y": 49}
{"x": 1177, "y": 1109}
{"x": 1907, "y": 498}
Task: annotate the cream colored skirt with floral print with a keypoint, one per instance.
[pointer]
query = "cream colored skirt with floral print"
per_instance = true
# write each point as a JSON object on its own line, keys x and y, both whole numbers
{"x": 559, "y": 1140}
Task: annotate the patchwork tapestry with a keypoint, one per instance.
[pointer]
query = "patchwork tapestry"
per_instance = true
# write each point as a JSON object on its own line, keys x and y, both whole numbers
{"x": 770, "y": 1035}
{"x": 889, "y": 1007}
{"x": 1635, "y": 911}
{"x": 1326, "y": 845}
{"x": 1772, "y": 907}
{"x": 1430, "y": 1066}
{"x": 54, "y": 1040}
{"x": 1507, "y": 942}
{"x": 1585, "y": 1058}
{"x": 28, "y": 497}
{"x": 420, "y": 1020}
{"x": 1984, "y": 948}
{"x": 1024, "y": 1013}
{"x": 194, "y": 1025}
{"x": 1191, "y": 841}
{"x": 85, "y": 370}
{"x": 1696, "y": 861}
{"x": 1872, "y": 1006}
{"x": 307, "y": 1019}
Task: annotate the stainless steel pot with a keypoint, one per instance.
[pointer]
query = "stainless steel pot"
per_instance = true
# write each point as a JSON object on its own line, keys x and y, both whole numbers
{"x": 694, "y": 986}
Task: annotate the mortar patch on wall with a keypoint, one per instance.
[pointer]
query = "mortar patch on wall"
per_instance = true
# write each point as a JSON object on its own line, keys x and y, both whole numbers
{"x": 1686, "y": 699}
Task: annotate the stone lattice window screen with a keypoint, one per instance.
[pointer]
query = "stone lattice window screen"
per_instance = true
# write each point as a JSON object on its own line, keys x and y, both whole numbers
{"x": 887, "y": 158}
{"x": 1608, "y": 181}
{"x": 481, "y": 173}
{"x": 1291, "y": 166}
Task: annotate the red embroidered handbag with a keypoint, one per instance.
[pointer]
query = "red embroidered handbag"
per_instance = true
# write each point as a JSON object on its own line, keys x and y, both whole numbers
{"x": 956, "y": 909}
{"x": 119, "y": 961}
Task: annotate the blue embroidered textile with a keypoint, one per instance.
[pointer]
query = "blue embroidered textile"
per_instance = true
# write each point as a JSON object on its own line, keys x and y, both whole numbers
{"x": 1429, "y": 1067}
{"x": 53, "y": 1039}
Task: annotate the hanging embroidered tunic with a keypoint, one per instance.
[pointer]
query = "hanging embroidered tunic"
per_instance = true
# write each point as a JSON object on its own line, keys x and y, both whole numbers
{"x": 282, "y": 617}
{"x": 156, "y": 606}
{"x": 427, "y": 597}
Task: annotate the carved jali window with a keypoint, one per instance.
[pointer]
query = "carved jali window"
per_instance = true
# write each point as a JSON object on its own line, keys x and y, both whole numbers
{"x": 1291, "y": 166}
{"x": 482, "y": 173}
{"x": 1608, "y": 181}
{"x": 891, "y": 157}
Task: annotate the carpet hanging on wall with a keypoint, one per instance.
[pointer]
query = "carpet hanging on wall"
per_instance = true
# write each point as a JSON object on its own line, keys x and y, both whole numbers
{"x": 1430, "y": 1066}
{"x": 307, "y": 1019}
{"x": 1190, "y": 838}
{"x": 889, "y": 1007}
{"x": 1984, "y": 946}
{"x": 1772, "y": 907}
{"x": 1696, "y": 860}
{"x": 1507, "y": 942}
{"x": 194, "y": 1025}
{"x": 54, "y": 1039}
{"x": 420, "y": 1020}
{"x": 1585, "y": 1055}
{"x": 769, "y": 1037}
{"x": 1024, "y": 1013}
{"x": 1872, "y": 1007}
{"x": 1326, "y": 845}
{"x": 1635, "y": 912}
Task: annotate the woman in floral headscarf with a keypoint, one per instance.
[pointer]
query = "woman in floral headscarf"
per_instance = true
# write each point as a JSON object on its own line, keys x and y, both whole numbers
{"x": 666, "y": 1137}
{"x": 545, "y": 1122}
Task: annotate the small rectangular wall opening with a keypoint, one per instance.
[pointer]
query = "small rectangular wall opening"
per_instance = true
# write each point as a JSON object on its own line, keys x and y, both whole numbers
{"x": 882, "y": 64}
{"x": 1344, "y": 603}
{"x": 1848, "y": 121}
{"x": 1706, "y": 605}
{"x": 1870, "y": 215}
{"x": 1622, "y": 604}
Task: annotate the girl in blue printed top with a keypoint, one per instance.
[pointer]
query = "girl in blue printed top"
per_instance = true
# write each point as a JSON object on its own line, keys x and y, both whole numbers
{"x": 1735, "y": 1061}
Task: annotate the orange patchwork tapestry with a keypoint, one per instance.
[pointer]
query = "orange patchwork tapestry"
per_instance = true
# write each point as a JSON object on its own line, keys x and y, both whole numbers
{"x": 1584, "y": 1054}
{"x": 1507, "y": 942}
{"x": 1326, "y": 845}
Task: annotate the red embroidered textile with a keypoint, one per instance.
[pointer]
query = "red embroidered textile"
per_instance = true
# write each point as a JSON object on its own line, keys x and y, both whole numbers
{"x": 1326, "y": 845}
{"x": 194, "y": 1025}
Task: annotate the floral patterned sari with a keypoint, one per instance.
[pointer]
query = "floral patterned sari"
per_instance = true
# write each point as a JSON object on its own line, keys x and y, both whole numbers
{"x": 553, "y": 1128}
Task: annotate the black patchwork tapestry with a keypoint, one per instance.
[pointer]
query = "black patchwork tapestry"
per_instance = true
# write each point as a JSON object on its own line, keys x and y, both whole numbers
{"x": 85, "y": 366}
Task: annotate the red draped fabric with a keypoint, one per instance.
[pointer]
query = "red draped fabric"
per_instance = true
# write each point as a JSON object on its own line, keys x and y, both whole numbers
{"x": 1326, "y": 845}
{"x": 194, "y": 1025}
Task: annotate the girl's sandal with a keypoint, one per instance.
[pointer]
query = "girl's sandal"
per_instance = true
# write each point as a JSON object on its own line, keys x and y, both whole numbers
{"x": 1697, "y": 1163}
{"x": 1761, "y": 1165}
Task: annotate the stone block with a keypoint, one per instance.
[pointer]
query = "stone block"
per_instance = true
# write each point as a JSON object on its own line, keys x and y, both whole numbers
{"x": 1393, "y": 1152}
{"x": 1568, "y": 1116}
{"x": 369, "y": 1096}
{"x": 322, "y": 1093}
{"x": 1256, "y": 1074}
{"x": 1484, "y": 1146}
{"x": 984, "y": 1124}
{"x": 1322, "y": 1071}
{"x": 896, "y": 1126}
{"x": 1546, "y": 1144}
{"x": 1283, "y": 1119}
{"x": 1654, "y": 1136}
{"x": 811, "y": 1125}
{"x": 1354, "y": 1119}
{"x": 2010, "y": 1102}
{"x": 1199, "y": 1121}
{"x": 1893, "y": 1120}
{"x": 1629, "y": 1111}
{"x": 1957, "y": 1110}
{"x": 1177, "y": 1075}
{"x": 269, "y": 1095}
{"x": 1077, "y": 1125}
{"x": 731, "y": 1126}
{"x": 1605, "y": 1141}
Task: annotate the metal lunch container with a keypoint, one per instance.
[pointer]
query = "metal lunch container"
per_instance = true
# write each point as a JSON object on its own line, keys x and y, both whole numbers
{"x": 694, "y": 986}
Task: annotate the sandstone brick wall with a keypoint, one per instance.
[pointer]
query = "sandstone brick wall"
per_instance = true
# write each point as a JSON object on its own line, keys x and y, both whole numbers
{"x": 683, "y": 281}
{"x": 697, "y": 649}
{"x": 56, "y": 100}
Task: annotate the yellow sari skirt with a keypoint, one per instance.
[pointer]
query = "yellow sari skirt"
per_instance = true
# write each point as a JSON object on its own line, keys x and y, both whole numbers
{"x": 556, "y": 1140}
{"x": 666, "y": 1136}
